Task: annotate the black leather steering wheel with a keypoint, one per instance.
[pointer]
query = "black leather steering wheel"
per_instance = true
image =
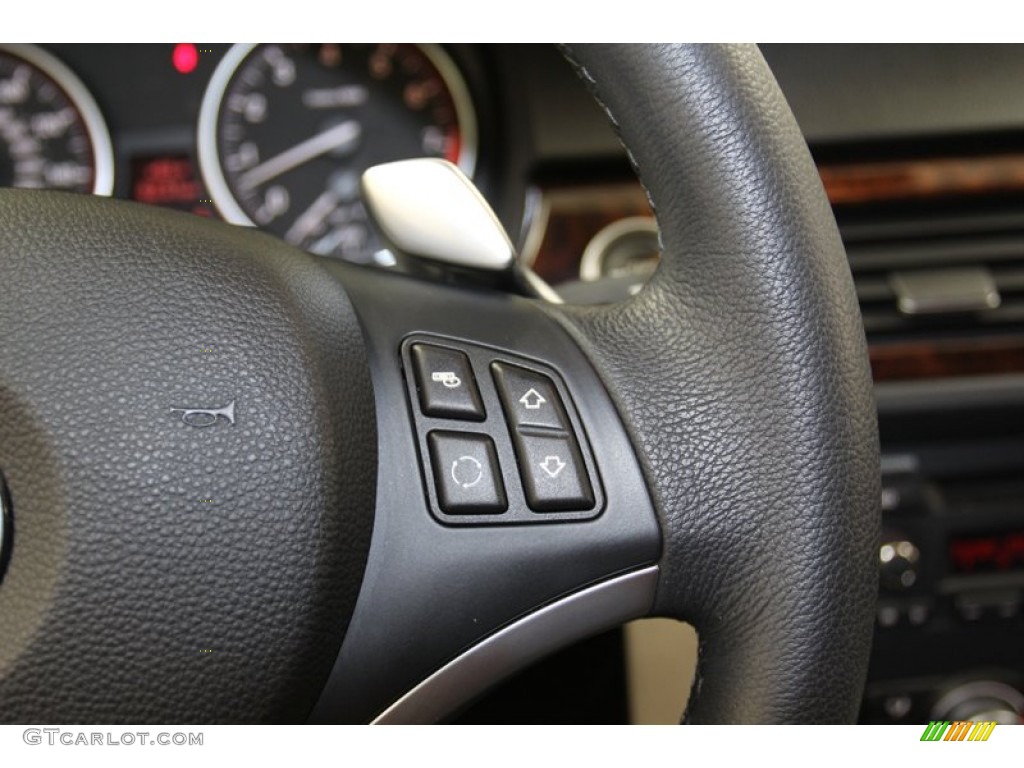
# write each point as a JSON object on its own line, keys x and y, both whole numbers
{"x": 168, "y": 569}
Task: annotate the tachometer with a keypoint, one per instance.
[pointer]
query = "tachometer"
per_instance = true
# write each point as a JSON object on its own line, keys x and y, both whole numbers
{"x": 286, "y": 131}
{"x": 52, "y": 134}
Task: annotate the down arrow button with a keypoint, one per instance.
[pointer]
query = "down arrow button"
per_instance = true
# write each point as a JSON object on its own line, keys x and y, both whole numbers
{"x": 554, "y": 478}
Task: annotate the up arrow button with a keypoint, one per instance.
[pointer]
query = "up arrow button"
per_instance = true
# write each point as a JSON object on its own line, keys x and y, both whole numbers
{"x": 533, "y": 400}
{"x": 530, "y": 399}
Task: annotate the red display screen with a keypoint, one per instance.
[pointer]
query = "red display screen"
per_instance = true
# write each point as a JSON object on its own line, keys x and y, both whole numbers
{"x": 170, "y": 181}
{"x": 994, "y": 553}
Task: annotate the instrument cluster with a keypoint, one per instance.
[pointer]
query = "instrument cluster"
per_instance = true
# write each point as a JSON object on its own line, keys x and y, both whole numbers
{"x": 274, "y": 136}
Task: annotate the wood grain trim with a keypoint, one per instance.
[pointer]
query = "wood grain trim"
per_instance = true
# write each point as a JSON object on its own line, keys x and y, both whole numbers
{"x": 932, "y": 360}
{"x": 860, "y": 183}
{"x": 571, "y": 215}
{"x": 569, "y": 218}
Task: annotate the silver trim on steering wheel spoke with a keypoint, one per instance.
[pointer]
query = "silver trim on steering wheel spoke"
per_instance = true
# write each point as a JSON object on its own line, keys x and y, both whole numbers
{"x": 572, "y": 618}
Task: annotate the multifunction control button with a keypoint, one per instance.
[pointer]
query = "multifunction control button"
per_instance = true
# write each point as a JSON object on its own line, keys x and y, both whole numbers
{"x": 554, "y": 478}
{"x": 444, "y": 379}
{"x": 467, "y": 474}
{"x": 530, "y": 399}
{"x": 499, "y": 436}
{"x": 553, "y": 473}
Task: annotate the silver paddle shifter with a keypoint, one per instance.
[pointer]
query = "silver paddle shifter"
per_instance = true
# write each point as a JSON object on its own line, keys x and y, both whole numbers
{"x": 435, "y": 221}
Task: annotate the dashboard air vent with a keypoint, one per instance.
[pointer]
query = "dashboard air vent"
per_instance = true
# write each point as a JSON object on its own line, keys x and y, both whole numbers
{"x": 937, "y": 273}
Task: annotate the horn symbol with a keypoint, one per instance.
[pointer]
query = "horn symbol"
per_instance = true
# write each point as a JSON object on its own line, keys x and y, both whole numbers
{"x": 206, "y": 417}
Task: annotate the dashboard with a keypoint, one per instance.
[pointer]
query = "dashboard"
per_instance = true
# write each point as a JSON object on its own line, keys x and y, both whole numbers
{"x": 921, "y": 152}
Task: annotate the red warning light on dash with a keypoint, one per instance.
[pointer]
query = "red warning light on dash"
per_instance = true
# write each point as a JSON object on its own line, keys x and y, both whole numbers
{"x": 185, "y": 57}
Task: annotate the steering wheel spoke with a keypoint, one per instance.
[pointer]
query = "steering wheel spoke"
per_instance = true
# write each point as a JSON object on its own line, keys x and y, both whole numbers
{"x": 509, "y": 498}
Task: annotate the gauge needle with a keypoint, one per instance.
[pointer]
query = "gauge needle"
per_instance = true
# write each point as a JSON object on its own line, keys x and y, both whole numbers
{"x": 312, "y": 217}
{"x": 341, "y": 135}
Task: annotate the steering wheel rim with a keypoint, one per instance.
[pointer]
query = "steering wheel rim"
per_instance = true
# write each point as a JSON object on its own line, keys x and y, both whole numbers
{"x": 754, "y": 283}
{"x": 753, "y": 418}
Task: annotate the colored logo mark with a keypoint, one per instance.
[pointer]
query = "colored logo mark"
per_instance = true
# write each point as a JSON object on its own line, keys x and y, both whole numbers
{"x": 958, "y": 730}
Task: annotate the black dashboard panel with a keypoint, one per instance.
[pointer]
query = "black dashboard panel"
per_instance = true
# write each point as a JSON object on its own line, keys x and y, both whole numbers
{"x": 151, "y": 110}
{"x": 137, "y": 86}
{"x": 868, "y": 92}
{"x": 839, "y": 93}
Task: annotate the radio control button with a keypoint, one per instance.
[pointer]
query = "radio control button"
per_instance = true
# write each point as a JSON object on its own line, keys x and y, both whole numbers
{"x": 888, "y": 615}
{"x": 898, "y": 561}
{"x": 898, "y": 707}
{"x": 918, "y": 614}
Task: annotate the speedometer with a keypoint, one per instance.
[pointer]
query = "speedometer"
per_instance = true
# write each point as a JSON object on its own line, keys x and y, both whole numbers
{"x": 52, "y": 134}
{"x": 286, "y": 131}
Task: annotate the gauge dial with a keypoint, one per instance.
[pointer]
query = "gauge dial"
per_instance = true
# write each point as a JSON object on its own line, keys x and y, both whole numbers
{"x": 287, "y": 130}
{"x": 52, "y": 134}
